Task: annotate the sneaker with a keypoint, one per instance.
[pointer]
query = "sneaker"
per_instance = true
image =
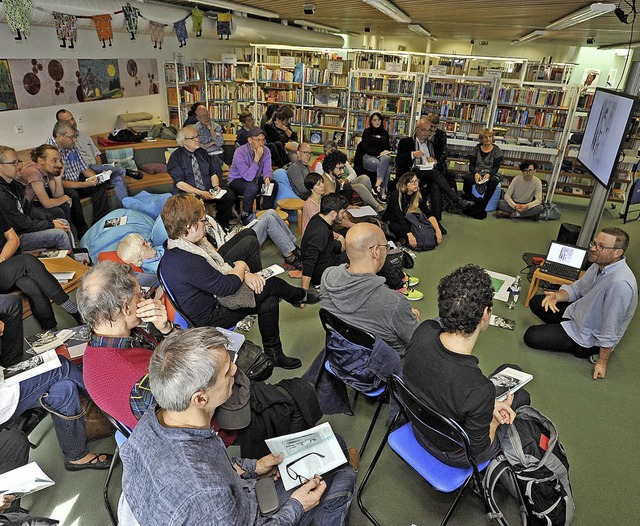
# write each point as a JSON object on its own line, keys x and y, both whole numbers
{"x": 292, "y": 262}
{"x": 411, "y": 294}
{"x": 411, "y": 281}
{"x": 594, "y": 358}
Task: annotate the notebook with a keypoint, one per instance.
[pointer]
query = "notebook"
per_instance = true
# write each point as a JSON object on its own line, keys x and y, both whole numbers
{"x": 564, "y": 261}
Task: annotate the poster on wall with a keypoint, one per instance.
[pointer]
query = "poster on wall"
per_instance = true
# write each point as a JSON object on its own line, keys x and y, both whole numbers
{"x": 590, "y": 78}
{"x": 138, "y": 76}
{"x": 45, "y": 82}
{"x": 100, "y": 79}
{"x": 7, "y": 95}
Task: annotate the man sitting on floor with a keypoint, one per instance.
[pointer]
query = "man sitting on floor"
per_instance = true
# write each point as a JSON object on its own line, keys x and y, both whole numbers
{"x": 524, "y": 195}
{"x": 357, "y": 295}
{"x": 298, "y": 170}
{"x": 589, "y": 317}
{"x": 191, "y": 374}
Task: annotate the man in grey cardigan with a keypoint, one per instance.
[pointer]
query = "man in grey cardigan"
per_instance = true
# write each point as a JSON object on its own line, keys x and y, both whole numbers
{"x": 523, "y": 199}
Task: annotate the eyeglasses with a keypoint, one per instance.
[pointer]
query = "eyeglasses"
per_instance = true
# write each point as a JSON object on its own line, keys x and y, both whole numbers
{"x": 309, "y": 152}
{"x": 423, "y": 129}
{"x": 600, "y": 247}
{"x": 385, "y": 245}
{"x": 74, "y": 136}
{"x": 14, "y": 163}
{"x": 527, "y": 171}
{"x": 413, "y": 181}
{"x": 296, "y": 476}
{"x": 197, "y": 137}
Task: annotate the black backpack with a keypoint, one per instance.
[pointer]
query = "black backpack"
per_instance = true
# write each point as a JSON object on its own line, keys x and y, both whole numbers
{"x": 423, "y": 231}
{"x": 533, "y": 466}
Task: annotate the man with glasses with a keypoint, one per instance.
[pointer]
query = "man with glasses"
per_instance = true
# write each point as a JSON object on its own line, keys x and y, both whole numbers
{"x": 298, "y": 170}
{"x": 78, "y": 180}
{"x": 210, "y": 132}
{"x": 589, "y": 317}
{"x": 355, "y": 293}
{"x": 191, "y": 375}
{"x": 196, "y": 172}
{"x": 523, "y": 199}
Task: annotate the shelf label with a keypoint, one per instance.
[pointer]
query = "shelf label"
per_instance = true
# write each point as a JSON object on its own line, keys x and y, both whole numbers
{"x": 438, "y": 71}
{"x": 229, "y": 58}
{"x": 492, "y": 73}
{"x": 335, "y": 66}
{"x": 395, "y": 67}
{"x": 287, "y": 62}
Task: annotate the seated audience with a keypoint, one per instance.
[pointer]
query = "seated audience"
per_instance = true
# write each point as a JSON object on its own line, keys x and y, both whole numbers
{"x": 219, "y": 288}
{"x": 250, "y": 170}
{"x": 36, "y": 227}
{"x": 210, "y": 132}
{"x": 118, "y": 353}
{"x": 91, "y": 156}
{"x": 27, "y": 274}
{"x": 314, "y": 183}
{"x": 298, "y": 170}
{"x": 247, "y": 121}
{"x": 195, "y": 172}
{"x": 375, "y": 146}
{"x": 278, "y": 130}
{"x": 440, "y": 370}
{"x": 481, "y": 181}
{"x": 407, "y": 199}
{"x": 589, "y": 317}
{"x": 191, "y": 114}
{"x": 523, "y": 198}
{"x": 191, "y": 375}
{"x": 78, "y": 179}
{"x": 438, "y": 139}
{"x": 355, "y": 293}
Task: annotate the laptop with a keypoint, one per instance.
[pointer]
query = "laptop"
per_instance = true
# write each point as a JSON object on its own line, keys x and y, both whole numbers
{"x": 564, "y": 261}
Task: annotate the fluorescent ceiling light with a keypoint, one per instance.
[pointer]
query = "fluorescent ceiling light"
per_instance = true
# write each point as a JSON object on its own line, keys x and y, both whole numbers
{"x": 233, "y": 6}
{"x": 417, "y": 28}
{"x": 390, "y": 10}
{"x": 582, "y": 15}
{"x": 316, "y": 26}
{"x": 530, "y": 36}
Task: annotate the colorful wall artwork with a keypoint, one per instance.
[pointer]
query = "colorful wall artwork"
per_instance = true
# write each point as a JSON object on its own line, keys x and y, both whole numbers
{"x": 44, "y": 82}
{"x": 139, "y": 76}
{"x": 7, "y": 94}
{"x": 100, "y": 79}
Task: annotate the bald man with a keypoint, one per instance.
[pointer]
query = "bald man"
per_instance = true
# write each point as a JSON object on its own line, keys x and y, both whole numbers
{"x": 354, "y": 292}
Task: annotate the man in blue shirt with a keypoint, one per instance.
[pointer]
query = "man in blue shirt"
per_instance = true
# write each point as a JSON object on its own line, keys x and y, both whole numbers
{"x": 589, "y": 317}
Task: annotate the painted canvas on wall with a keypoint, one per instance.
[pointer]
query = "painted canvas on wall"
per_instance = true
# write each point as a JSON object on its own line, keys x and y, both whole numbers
{"x": 138, "y": 76}
{"x": 100, "y": 79}
{"x": 44, "y": 82}
{"x": 7, "y": 95}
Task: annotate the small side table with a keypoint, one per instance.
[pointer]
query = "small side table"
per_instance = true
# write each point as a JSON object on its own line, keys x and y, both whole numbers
{"x": 293, "y": 204}
{"x": 281, "y": 214}
{"x": 538, "y": 277}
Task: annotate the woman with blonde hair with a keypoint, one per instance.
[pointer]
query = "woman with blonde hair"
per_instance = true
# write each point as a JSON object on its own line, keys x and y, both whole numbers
{"x": 481, "y": 181}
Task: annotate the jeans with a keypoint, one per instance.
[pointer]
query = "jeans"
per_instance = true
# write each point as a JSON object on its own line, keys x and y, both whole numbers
{"x": 11, "y": 340}
{"x": 50, "y": 238}
{"x": 62, "y": 387}
{"x": 381, "y": 165}
{"x": 29, "y": 275}
{"x": 250, "y": 190}
{"x": 362, "y": 186}
{"x": 99, "y": 202}
{"x": 116, "y": 180}
{"x": 529, "y": 212}
{"x": 270, "y": 225}
{"x": 552, "y": 336}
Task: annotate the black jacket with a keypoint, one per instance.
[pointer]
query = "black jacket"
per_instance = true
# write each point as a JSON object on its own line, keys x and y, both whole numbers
{"x": 19, "y": 213}
{"x": 404, "y": 160}
{"x": 375, "y": 140}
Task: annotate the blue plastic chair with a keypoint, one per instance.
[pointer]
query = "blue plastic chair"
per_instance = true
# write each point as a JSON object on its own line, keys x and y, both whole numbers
{"x": 439, "y": 476}
{"x": 122, "y": 435}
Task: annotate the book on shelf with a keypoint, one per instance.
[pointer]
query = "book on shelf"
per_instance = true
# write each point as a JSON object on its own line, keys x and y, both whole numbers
{"x": 38, "y": 364}
{"x": 24, "y": 480}
{"x": 308, "y": 453}
{"x": 509, "y": 380}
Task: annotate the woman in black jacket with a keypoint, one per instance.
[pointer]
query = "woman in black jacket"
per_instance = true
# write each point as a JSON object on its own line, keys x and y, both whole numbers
{"x": 407, "y": 199}
{"x": 375, "y": 146}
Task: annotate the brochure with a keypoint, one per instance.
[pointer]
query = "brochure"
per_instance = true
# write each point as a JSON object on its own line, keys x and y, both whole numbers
{"x": 509, "y": 381}
{"x": 503, "y": 323}
{"x": 103, "y": 177}
{"x": 53, "y": 254}
{"x": 362, "y": 211}
{"x": 75, "y": 340}
{"x": 235, "y": 342}
{"x": 273, "y": 270}
{"x": 115, "y": 221}
{"x": 24, "y": 480}
{"x": 267, "y": 189}
{"x": 308, "y": 453}
{"x": 38, "y": 364}
{"x": 43, "y": 341}
{"x": 217, "y": 193}
{"x": 63, "y": 277}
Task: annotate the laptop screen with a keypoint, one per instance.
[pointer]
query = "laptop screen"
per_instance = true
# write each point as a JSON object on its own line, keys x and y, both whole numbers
{"x": 566, "y": 255}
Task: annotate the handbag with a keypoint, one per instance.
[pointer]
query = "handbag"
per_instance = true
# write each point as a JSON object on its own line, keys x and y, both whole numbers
{"x": 253, "y": 362}
{"x": 400, "y": 259}
{"x": 243, "y": 298}
{"x": 95, "y": 423}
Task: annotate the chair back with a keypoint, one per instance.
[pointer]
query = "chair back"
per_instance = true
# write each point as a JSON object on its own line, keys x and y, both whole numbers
{"x": 180, "y": 318}
{"x": 125, "y": 430}
{"x": 430, "y": 422}
{"x": 358, "y": 336}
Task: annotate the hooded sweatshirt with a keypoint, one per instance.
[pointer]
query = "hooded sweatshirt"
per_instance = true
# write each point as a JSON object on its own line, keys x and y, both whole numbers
{"x": 364, "y": 301}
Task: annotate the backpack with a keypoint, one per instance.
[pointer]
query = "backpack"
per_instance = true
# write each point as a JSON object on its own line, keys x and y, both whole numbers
{"x": 533, "y": 466}
{"x": 550, "y": 211}
{"x": 423, "y": 231}
{"x": 253, "y": 362}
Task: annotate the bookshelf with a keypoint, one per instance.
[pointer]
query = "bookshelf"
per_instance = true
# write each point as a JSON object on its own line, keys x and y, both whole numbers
{"x": 229, "y": 88}
{"x": 184, "y": 86}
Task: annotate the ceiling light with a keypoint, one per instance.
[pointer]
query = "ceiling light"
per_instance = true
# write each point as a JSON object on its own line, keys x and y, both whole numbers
{"x": 582, "y": 15}
{"x": 233, "y": 6}
{"x": 622, "y": 45}
{"x": 417, "y": 28}
{"x": 529, "y": 37}
{"x": 390, "y": 10}
{"x": 316, "y": 26}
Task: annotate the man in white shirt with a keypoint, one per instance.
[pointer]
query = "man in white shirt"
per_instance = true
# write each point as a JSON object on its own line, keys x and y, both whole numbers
{"x": 524, "y": 195}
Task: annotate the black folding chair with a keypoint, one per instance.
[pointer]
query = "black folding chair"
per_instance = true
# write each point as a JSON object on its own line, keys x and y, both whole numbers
{"x": 122, "y": 435}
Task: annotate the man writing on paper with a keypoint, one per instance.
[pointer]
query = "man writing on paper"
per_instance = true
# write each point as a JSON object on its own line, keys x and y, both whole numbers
{"x": 589, "y": 317}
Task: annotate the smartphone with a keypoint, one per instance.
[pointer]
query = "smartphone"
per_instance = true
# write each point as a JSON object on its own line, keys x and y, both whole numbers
{"x": 267, "y": 496}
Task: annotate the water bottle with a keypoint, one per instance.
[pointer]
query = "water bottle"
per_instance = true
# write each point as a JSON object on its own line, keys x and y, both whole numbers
{"x": 514, "y": 294}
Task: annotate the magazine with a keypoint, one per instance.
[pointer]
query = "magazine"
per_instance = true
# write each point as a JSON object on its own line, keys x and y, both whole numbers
{"x": 217, "y": 193}
{"x": 38, "y": 364}
{"x": 235, "y": 342}
{"x": 53, "y": 254}
{"x": 267, "y": 189}
{"x": 273, "y": 270}
{"x": 503, "y": 323}
{"x": 24, "y": 480}
{"x": 509, "y": 381}
{"x": 43, "y": 341}
{"x": 308, "y": 453}
{"x": 103, "y": 177}
{"x": 115, "y": 221}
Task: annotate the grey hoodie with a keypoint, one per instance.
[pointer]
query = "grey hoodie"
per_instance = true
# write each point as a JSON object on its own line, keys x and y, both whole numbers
{"x": 364, "y": 301}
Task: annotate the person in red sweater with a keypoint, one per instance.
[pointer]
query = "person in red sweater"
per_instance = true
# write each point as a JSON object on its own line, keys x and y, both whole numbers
{"x": 118, "y": 354}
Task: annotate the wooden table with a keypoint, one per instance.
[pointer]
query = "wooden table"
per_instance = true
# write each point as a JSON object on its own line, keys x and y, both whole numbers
{"x": 539, "y": 276}
{"x": 293, "y": 204}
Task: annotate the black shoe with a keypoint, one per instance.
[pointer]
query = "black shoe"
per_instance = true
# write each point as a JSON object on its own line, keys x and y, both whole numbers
{"x": 286, "y": 362}
{"x": 310, "y": 298}
{"x": 443, "y": 230}
{"x": 134, "y": 174}
{"x": 76, "y": 316}
{"x": 464, "y": 204}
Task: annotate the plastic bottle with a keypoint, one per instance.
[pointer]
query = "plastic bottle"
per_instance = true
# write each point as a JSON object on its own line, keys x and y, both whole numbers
{"x": 514, "y": 294}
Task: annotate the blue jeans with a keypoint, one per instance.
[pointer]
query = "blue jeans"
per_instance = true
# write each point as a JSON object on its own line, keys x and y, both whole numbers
{"x": 270, "y": 225}
{"x": 61, "y": 387}
{"x": 381, "y": 165}
{"x": 50, "y": 238}
{"x": 116, "y": 180}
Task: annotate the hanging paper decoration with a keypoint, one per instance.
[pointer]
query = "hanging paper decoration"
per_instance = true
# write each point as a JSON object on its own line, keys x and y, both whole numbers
{"x": 157, "y": 33}
{"x": 197, "y": 17}
{"x": 103, "y": 28}
{"x": 66, "y": 28}
{"x": 131, "y": 15}
{"x": 223, "y": 25}
{"x": 18, "y": 13}
{"x": 181, "y": 31}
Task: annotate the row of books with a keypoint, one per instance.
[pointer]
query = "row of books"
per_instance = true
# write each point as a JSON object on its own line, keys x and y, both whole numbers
{"x": 293, "y": 96}
{"x": 221, "y": 112}
{"x": 382, "y": 104}
{"x": 267, "y": 74}
{"x": 465, "y": 112}
{"x": 385, "y": 84}
{"x": 531, "y": 96}
{"x": 459, "y": 90}
{"x": 335, "y": 99}
{"x": 585, "y": 101}
{"x": 539, "y": 119}
{"x": 219, "y": 92}
{"x": 395, "y": 126}
{"x": 226, "y": 71}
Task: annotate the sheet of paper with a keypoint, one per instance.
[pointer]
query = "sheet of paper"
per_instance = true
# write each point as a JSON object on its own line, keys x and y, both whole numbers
{"x": 24, "y": 480}
{"x": 362, "y": 211}
{"x": 502, "y": 293}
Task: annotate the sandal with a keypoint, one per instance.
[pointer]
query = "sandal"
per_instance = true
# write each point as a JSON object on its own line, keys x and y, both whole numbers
{"x": 94, "y": 463}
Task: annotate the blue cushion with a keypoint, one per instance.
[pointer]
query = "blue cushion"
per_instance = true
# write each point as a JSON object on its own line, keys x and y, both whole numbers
{"x": 442, "y": 477}
{"x": 158, "y": 233}
{"x": 284, "y": 190}
{"x": 150, "y": 204}
{"x": 492, "y": 205}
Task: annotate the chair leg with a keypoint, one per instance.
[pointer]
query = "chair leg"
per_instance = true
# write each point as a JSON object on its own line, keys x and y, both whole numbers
{"x": 105, "y": 492}
{"x": 455, "y": 502}
{"x": 372, "y": 424}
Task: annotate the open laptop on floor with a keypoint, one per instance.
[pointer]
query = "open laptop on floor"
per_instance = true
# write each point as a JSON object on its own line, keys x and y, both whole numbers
{"x": 564, "y": 261}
